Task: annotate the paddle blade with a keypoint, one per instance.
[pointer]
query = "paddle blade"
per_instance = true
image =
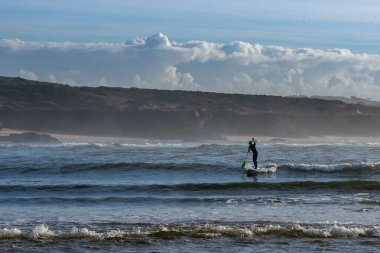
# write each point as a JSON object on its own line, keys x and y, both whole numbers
{"x": 243, "y": 164}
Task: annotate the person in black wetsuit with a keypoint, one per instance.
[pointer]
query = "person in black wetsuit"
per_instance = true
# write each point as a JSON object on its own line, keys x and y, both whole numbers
{"x": 252, "y": 147}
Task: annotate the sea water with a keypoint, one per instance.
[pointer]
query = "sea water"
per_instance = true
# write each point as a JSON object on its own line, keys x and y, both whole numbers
{"x": 175, "y": 196}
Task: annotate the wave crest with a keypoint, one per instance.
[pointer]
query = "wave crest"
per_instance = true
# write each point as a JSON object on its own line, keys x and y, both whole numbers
{"x": 206, "y": 231}
{"x": 356, "y": 185}
{"x": 139, "y": 166}
{"x": 332, "y": 167}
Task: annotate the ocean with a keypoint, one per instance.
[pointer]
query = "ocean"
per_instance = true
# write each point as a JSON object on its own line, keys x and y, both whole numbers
{"x": 176, "y": 196}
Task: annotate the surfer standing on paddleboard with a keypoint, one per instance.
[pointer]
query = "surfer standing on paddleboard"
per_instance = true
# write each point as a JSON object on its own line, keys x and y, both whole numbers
{"x": 252, "y": 147}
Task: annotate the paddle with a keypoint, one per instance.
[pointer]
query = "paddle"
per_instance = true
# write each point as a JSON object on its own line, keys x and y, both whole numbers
{"x": 245, "y": 159}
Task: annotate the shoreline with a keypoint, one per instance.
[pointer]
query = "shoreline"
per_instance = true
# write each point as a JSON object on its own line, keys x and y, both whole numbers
{"x": 242, "y": 138}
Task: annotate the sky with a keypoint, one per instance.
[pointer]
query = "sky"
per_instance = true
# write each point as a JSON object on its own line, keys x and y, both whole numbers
{"x": 277, "y": 47}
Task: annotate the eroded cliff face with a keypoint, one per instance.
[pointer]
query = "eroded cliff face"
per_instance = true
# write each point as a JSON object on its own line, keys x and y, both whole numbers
{"x": 165, "y": 114}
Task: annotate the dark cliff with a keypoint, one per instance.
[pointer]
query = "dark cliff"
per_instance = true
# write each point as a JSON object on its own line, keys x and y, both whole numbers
{"x": 163, "y": 114}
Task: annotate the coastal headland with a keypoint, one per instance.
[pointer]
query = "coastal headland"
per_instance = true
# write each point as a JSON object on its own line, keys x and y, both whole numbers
{"x": 111, "y": 112}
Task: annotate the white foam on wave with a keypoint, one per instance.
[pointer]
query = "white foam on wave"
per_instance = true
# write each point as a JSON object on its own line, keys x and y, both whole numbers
{"x": 292, "y": 144}
{"x": 327, "y": 230}
{"x": 42, "y": 231}
{"x": 338, "y": 231}
{"x": 212, "y": 230}
{"x": 10, "y": 232}
{"x": 331, "y": 167}
{"x": 85, "y": 232}
{"x": 82, "y": 232}
{"x": 152, "y": 144}
{"x": 100, "y": 145}
{"x": 232, "y": 201}
{"x": 115, "y": 234}
{"x": 73, "y": 144}
{"x": 371, "y": 143}
{"x": 306, "y": 144}
{"x": 266, "y": 168}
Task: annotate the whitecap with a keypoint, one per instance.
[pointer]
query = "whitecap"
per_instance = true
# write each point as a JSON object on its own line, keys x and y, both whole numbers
{"x": 330, "y": 167}
{"x": 41, "y": 231}
{"x": 265, "y": 168}
{"x": 10, "y": 232}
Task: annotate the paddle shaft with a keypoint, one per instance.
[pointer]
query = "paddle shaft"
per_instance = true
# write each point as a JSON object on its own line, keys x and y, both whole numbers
{"x": 246, "y": 156}
{"x": 245, "y": 159}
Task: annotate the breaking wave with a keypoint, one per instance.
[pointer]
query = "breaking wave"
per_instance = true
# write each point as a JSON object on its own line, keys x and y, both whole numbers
{"x": 332, "y": 167}
{"x": 206, "y": 231}
{"x": 266, "y": 168}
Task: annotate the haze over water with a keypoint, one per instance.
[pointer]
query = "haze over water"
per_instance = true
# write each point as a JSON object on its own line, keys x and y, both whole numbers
{"x": 190, "y": 196}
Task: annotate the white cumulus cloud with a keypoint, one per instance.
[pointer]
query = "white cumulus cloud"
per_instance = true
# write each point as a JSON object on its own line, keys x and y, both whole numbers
{"x": 158, "y": 62}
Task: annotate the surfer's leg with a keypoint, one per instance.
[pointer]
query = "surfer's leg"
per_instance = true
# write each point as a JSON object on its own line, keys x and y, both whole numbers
{"x": 254, "y": 158}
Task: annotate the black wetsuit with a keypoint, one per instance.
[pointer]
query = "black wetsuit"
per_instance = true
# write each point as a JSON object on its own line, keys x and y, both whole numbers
{"x": 252, "y": 147}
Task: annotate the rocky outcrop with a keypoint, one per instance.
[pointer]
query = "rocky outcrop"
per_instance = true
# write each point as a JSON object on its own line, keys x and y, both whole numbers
{"x": 29, "y": 137}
